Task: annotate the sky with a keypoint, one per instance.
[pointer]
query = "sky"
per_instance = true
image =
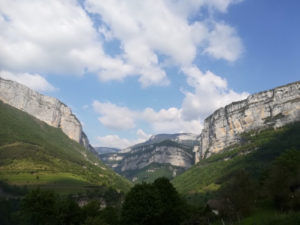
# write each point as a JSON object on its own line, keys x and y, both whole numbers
{"x": 131, "y": 69}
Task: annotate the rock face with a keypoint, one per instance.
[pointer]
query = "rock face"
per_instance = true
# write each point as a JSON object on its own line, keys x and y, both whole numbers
{"x": 268, "y": 109}
{"x": 171, "y": 149}
{"x": 44, "y": 108}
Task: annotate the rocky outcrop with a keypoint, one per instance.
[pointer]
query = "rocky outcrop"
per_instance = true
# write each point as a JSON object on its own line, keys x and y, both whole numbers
{"x": 44, "y": 108}
{"x": 164, "y": 154}
{"x": 268, "y": 109}
{"x": 162, "y": 149}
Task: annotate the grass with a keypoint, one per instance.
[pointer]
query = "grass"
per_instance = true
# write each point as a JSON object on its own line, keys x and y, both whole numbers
{"x": 268, "y": 216}
{"x": 260, "y": 148}
{"x": 33, "y": 153}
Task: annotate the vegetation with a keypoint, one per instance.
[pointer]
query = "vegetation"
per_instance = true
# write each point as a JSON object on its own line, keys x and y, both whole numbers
{"x": 153, "y": 204}
{"x": 35, "y": 154}
{"x": 151, "y": 172}
{"x": 257, "y": 182}
{"x": 255, "y": 155}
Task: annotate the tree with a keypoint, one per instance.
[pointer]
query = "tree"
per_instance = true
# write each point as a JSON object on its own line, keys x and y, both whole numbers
{"x": 152, "y": 204}
{"x": 238, "y": 196}
{"x": 283, "y": 184}
{"x": 40, "y": 207}
{"x": 172, "y": 205}
{"x": 142, "y": 206}
{"x": 69, "y": 213}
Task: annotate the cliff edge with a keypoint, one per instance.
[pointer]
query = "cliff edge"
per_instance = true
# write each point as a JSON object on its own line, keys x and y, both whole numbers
{"x": 268, "y": 109}
{"x": 45, "y": 108}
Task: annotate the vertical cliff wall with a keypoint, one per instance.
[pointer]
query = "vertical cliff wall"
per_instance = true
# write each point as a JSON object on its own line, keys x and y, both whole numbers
{"x": 272, "y": 108}
{"x": 45, "y": 108}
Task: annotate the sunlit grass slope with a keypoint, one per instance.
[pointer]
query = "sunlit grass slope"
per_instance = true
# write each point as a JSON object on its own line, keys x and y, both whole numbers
{"x": 255, "y": 155}
{"x": 33, "y": 153}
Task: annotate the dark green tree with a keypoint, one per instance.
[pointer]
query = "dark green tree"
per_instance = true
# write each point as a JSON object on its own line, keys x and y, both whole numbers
{"x": 40, "y": 207}
{"x": 238, "y": 196}
{"x": 153, "y": 204}
{"x": 142, "y": 206}
{"x": 173, "y": 207}
{"x": 283, "y": 184}
{"x": 69, "y": 213}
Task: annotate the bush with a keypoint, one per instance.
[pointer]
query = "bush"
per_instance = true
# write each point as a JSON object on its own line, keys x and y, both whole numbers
{"x": 153, "y": 204}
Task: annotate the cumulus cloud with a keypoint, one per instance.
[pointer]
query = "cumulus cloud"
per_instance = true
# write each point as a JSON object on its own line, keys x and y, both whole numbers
{"x": 146, "y": 30}
{"x": 224, "y": 43}
{"x": 210, "y": 93}
{"x": 54, "y": 36}
{"x": 33, "y": 81}
{"x": 114, "y": 141}
{"x": 163, "y": 121}
{"x": 115, "y": 117}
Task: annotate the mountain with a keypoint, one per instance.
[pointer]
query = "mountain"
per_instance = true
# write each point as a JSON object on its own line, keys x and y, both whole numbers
{"x": 255, "y": 154}
{"x": 171, "y": 154}
{"x": 248, "y": 135}
{"x": 33, "y": 153}
{"x": 104, "y": 150}
{"x": 47, "y": 109}
{"x": 162, "y": 155}
{"x": 268, "y": 109}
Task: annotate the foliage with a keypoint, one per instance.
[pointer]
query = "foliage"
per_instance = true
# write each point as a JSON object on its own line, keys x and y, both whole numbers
{"x": 256, "y": 154}
{"x": 238, "y": 195}
{"x": 283, "y": 184}
{"x": 39, "y": 207}
{"x": 9, "y": 211}
{"x": 33, "y": 153}
{"x": 153, "y": 204}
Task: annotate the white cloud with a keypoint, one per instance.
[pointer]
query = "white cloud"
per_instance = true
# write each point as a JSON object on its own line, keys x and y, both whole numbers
{"x": 115, "y": 117}
{"x": 142, "y": 135}
{"x": 114, "y": 141}
{"x": 146, "y": 30}
{"x": 224, "y": 43}
{"x": 210, "y": 93}
{"x": 54, "y": 36}
{"x": 33, "y": 81}
{"x": 164, "y": 121}
{"x": 43, "y": 36}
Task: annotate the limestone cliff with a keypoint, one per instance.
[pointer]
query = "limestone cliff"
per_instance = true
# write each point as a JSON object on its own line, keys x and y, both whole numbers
{"x": 273, "y": 108}
{"x": 174, "y": 150}
{"x": 44, "y": 108}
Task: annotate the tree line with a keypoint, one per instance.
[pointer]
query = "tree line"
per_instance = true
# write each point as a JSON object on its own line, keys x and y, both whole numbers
{"x": 159, "y": 203}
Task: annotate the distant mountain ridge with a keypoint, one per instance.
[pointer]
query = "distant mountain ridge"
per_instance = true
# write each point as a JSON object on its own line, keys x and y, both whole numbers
{"x": 47, "y": 109}
{"x": 104, "y": 150}
{"x": 162, "y": 154}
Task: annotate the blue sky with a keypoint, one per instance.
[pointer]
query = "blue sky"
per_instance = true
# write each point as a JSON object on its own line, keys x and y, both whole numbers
{"x": 133, "y": 68}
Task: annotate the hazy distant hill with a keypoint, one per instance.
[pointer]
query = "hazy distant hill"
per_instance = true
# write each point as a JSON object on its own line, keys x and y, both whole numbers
{"x": 162, "y": 155}
{"x": 104, "y": 150}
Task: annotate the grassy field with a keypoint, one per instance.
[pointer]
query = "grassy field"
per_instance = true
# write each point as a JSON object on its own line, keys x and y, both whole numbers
{"x": 35, "y": 154}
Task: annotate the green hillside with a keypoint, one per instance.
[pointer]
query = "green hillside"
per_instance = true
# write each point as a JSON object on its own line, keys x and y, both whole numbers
{"x": 256, "y": 154}
{"x": 33, "y": 153}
